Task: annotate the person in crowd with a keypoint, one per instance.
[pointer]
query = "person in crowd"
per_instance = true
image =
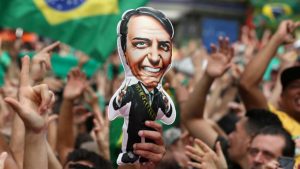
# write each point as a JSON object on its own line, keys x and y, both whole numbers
{"x": 268, "y": 145}
{"x": 235, "y": 147}
{"x": 287, "y": 107}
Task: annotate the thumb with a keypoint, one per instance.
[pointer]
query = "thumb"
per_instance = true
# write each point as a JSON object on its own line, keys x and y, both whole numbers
{"x": 52, "y": 118}
{"x": 3, "y": 157}
{"x": 219, "y": 150}
{"x": 14, "y": 104}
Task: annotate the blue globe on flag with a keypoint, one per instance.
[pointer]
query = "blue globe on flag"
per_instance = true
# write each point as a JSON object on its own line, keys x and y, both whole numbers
{"x": 64, "y": 5}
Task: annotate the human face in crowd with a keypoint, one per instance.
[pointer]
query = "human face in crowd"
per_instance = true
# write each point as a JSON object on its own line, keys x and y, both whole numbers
{"x": 148, "y": 51}
{"x": 239, "y": 141}
{"x": 291, "y": 98}
{"x": 263, "y": 149}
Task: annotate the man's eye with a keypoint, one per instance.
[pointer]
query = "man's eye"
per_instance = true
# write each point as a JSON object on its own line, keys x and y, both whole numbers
{"x": 140, "y": 44}
{"x": 165, "y": 47}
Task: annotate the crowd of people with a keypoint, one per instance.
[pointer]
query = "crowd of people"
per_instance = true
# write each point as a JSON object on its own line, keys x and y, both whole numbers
{"x": 231, "y": 112}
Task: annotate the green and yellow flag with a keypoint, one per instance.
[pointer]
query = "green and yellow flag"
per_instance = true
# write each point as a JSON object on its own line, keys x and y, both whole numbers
{"x": 88, "y": 25}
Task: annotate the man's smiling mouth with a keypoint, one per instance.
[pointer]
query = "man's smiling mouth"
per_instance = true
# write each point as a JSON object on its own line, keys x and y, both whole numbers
{"x": 151, "y": 69}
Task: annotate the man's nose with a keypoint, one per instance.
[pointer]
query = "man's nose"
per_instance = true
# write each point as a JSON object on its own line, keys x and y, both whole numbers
{"x": 258, "y": 158}
{"x": 153, "y": 56}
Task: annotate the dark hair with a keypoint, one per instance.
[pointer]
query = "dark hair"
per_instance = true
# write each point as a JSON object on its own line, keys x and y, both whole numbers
{"x": 289, "y": 147}
{"x": 260, "y": 118}
{"x": 82, "y": 154}
{"x": 289, "y": 75}
{"x": 156, "y": 14}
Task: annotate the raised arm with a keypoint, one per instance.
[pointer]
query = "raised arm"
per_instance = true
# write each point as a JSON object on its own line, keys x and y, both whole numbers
{"x": 32, "y": 106}
{"x": 193, "y": 108}
{"x": 65, "y": 135}
{"x": 252, "y": 76}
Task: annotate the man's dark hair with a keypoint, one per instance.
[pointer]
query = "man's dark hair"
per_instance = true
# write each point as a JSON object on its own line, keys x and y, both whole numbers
{"x": 82, "y": 154}
{"x": 260, "y": 118}
{"x": 289, "y": 147}
{"x": 156, "y": 14}
{"x": 289, "y": 75}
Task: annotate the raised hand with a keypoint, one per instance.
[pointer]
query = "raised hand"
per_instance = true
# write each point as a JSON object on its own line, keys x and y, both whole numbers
{"x": 76, "y": 84}
{"x": 220, "y": 59}
{"x": 91, "y": 98}
{"x": 41, "y": 61}
{"x": 33, "y": 102}
{"x": 154, "y": 152}
{"x": 122, "y": 93}
{"x": 204, "y": 157}
{"x": 44, "y": 56}
{"x": 285, "y": 31}
{"x": 101, "y": 130}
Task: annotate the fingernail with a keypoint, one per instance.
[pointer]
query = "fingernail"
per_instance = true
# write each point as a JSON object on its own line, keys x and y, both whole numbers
{"x": 147, "y": 122}
{"x": 140, "y": 133}
{"x": 134, "y": 146}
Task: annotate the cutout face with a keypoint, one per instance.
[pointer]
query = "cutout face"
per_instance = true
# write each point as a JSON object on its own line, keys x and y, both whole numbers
{"x": 148, "y": 50}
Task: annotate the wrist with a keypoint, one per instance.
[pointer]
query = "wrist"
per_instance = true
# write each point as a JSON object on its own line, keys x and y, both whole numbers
{"x": 34, "y": 136}
{"x": 208, "y": 77}
{"x": 277, "y": 38}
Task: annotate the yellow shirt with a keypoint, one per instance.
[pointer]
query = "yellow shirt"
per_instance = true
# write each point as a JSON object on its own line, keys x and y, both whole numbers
{"x": 292, "y": 126}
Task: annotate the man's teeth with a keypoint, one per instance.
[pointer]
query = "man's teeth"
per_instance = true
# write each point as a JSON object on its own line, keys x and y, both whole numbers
{"x": 150, "y": 69}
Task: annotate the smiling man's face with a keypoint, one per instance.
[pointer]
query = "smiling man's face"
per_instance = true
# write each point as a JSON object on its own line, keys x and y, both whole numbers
{"x": 148, "y": 50}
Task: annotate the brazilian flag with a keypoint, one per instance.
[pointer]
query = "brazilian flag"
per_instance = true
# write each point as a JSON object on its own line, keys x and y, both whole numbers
{"x": 88, "y": 25}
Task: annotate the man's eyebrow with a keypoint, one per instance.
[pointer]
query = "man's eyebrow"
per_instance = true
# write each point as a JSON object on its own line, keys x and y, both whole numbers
{"x": 168, "y": 42}
{"x": 144, "y": 39}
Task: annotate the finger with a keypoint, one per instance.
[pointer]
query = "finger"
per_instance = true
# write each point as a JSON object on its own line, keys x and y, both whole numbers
{"x": 3, "y": 157}
{"x": 194, "y": 165}
{"x": 149, "y": 155}
{"x": 99, "y": 118}
{"x": 221, "y": 44}
{"x": 193, "y": 156}
{"x": 24, "y": 75}
{"x": 52, "y": 118}
{"x": 202, "y": 145}
{"x": 51, "y": 47}
{"x": 231, "y": 53}
{"x": 96, "y": 125}
{"x": 52, "y": 99}
{"x": 154, "y": 125}
{"x": 46, "y": 97}
{"x": 226, "y": 46}
{"x": 152, "y": 135}
{"x": 47, "y": 62}
{"x": 82, "y": 75}
{"x": 219, "y": 150}
{"x": 213, "y": 48}
{"x": 149, "y": 147}
{"x": 297, "y": 24}
{"x": 15, "y": 105}
{"x": 194, "y": 150}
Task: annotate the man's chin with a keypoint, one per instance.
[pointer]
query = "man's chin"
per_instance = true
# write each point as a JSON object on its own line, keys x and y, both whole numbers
{"x": 150, "y": 85}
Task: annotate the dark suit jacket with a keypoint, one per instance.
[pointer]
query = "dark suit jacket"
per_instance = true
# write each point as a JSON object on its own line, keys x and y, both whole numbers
{"x": 139, "y": 111}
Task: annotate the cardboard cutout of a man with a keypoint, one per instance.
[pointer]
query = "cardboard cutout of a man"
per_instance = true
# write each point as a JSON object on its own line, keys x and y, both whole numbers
{"x": 145, "y": 49}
